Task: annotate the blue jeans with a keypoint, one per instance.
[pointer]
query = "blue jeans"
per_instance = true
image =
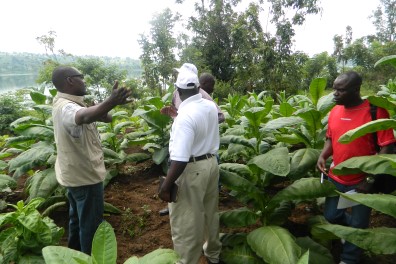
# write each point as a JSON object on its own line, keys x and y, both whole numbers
{"x": 85, "y": 215}
{"x": 358, "y": 217}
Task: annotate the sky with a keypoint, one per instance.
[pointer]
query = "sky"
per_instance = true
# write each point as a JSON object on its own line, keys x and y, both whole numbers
{"x": 112, "y": 28}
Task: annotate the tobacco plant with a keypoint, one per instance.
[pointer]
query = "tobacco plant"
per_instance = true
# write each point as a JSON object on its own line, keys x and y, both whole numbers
{"x": 104, "y": 251}
{"x": 24, "y": 232}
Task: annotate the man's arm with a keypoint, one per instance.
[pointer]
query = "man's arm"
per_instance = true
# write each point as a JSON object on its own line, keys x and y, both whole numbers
{"x": 324, "y": 155}
{"x": 100, "y": 111}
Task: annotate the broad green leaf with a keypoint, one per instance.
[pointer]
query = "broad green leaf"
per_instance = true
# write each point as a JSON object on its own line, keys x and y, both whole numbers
{"x": 42, "y": 184}
{"x": 382, "y": 102}
{"x": 275, "y": 161}
{"x": 110, "y": 174}
{"x": 31, "y": 221}
{"x": 304, "y": 259}
{"x": 240, "y": 169}
{"x": 375, "y": 164}
{"x": 316, "y": 89}
{"x": 282, "y": 122}
{"x": 46, "y": 109}
{"x": 240, "y": 217}
{"x": 236, "y": 140}
{"x": 161, "y": 255}
{"x": 254, "y": 115}
{"x": 104, "y": 244}
{"x": 237, "y": 183}
{"x": 391, "y": 60}
{"x": 300, "y": 135}
{"x": 109, "y": 153}
{"x": 279, "y": 215}
{"x": 317, "y": 252}
{"x": 381, "y": 202}
{"x": 25, "y": 119}
{"x": 38, "y": 98}
{"x": 275, "y": 245}
{"x": 232, "y": 239}
{"x": 380, "y": 240}
{"x": 38, "y": 131}
{"x": 106, "y": 136}
{"x": 160, "y": 155}
{"x": 303, "y": 189}
{"x": 370, "y": 127}
{"x": 132, "y": 260}
{"x": 109, "y": 208}
{"x": 302, "y": 161}
{"x": 137, "y": 157}
{"x": 7, "y": 182}
{"x": 312, "y": 118}
{"x": 238, "y": 254}
{"x": 30, "y": 259}
{"x": 285, "y": 109}
{"x": 121, "y": 125}
{"x": 29, "y": 159}
{"x": 64, "y": 255}
{"x": 288, "y": 138}
{"x": 325, "y": 104}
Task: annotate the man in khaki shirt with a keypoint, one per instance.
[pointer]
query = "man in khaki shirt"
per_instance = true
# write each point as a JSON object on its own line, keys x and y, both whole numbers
{"x": 79, "y": 164}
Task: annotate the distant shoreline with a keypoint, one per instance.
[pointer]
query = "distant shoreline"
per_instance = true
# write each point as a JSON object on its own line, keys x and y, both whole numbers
{"x": 16, "y": 74}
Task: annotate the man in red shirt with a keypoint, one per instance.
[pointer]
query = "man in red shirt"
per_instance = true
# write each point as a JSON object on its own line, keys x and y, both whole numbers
{"x": 350, "y": 112}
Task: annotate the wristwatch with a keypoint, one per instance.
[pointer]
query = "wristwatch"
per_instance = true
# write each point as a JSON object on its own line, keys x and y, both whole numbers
{"x": 370, "y": 180}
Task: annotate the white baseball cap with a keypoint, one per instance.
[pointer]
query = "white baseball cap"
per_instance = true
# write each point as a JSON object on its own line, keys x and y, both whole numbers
{"x": 187, "y": 66}
{"x": 187, "y": 79}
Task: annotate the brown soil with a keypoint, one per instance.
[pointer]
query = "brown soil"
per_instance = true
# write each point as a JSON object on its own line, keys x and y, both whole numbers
{"x": 140, "y": 229}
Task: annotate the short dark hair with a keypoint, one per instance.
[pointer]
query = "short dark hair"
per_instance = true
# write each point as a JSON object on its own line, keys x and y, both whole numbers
{"x": 353, "y": 79}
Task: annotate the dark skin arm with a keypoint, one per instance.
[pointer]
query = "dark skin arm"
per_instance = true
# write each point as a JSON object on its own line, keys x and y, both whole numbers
{"x": 175, "y": 170}
{"x": 100, "y": 112}
{"x": 324, "y": 155}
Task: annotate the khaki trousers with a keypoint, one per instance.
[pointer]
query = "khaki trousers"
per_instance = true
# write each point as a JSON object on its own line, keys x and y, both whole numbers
{"x": 194, "y": 218}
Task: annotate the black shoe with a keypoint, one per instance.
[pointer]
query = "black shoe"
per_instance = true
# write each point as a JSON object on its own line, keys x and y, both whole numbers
{"x": 164, "y": 211}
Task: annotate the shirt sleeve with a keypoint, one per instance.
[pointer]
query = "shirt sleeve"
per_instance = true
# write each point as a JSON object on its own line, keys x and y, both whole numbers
{"x": 69, "y": 119}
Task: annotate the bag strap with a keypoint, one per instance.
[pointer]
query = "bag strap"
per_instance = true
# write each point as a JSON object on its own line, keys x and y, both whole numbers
{"x": 373, "y": 112}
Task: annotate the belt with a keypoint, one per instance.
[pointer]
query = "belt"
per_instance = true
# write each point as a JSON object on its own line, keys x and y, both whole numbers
{"x": 205, "y": 156}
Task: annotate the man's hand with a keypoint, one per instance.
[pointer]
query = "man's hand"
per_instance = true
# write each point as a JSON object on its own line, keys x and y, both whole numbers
{"x": 119, "y": 96}
{"x": 169, "y": 111}
{"x": 321, "y": 165}
{"x": 364, "y": 187}
{"x": 164, "y": 195}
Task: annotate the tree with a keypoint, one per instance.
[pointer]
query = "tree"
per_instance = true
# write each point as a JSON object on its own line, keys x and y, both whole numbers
{"x": 158, "y": 58}
{"x": 384, "y": 20}
{"x": 99, "y": 75}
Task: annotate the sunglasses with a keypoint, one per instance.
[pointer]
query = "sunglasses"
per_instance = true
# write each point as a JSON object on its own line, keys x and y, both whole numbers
{"x": 76, "y": 75}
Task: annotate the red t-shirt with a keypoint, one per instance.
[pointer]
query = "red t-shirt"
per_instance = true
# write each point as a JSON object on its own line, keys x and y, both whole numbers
{"x": 343, "y": 119}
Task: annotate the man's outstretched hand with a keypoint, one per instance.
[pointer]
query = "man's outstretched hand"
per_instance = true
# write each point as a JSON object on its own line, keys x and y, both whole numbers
{"x": 119, "y": 96}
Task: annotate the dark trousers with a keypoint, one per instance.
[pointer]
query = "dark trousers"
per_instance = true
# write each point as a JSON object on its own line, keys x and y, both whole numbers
{"x": 85, "y": 215}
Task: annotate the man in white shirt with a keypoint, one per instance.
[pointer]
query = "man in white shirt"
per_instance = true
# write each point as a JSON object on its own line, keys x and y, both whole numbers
{"x": 194, "y": 141}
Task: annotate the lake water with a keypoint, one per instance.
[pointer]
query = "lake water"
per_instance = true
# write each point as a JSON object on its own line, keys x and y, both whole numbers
{"x": 9, "y": 82}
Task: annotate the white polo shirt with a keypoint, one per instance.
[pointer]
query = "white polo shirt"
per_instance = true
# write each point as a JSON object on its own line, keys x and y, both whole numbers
{"x": 195, "y": 130}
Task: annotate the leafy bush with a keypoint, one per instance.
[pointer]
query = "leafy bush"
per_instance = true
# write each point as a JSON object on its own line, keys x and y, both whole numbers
{"x": 10, "y": 110}
{"x": 25, "y": 232}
